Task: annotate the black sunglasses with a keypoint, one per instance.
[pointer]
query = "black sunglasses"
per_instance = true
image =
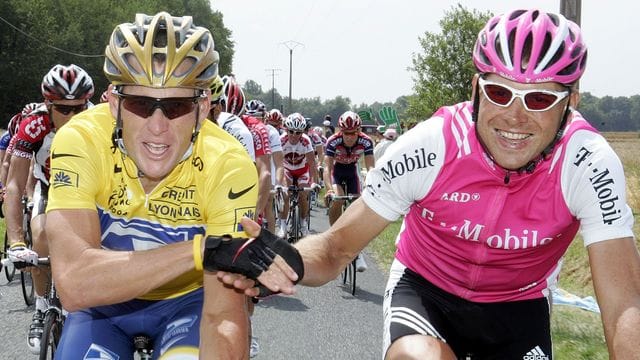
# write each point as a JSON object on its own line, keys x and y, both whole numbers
{"x": 145, "y": 106}
{"x": 294, "y": 132}
{"x": 67, "y": 109}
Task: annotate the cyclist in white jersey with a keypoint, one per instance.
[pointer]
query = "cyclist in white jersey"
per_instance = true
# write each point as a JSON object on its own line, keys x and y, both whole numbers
{"x": 227, "y": 121}
{"x": 492, "y": 191}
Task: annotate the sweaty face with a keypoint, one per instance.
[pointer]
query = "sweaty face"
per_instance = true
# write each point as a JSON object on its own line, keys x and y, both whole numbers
{"x": 512, "y": 134}
{"x": 153, "y": 140}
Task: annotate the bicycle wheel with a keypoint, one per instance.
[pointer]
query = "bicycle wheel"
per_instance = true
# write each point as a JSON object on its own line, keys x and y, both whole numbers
{"x": 346, "y": 275}
{"x": 9, "y": 270}
{"x": 28, "y": 291}
{"x": 354, "y": 273}
{"x": 295, "y": 225}
{"x": 50, "y": 335}
{"x": 349, "y": 277}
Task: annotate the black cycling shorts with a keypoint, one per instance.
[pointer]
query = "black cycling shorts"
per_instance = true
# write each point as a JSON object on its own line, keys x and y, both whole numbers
{"x": 347, "y": 174}
{"x": 507, "y": 330}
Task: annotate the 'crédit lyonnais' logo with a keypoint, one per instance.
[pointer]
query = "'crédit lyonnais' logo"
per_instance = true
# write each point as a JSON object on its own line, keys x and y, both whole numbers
{"x": 398, "y": 167}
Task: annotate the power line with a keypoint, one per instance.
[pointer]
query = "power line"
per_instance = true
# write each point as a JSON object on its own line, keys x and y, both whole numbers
{"x": 42, "y": 42}
{"x": 273, "y": 87}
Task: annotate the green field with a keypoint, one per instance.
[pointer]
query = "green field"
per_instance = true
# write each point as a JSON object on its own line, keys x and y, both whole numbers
{"x": 577, "y": 334}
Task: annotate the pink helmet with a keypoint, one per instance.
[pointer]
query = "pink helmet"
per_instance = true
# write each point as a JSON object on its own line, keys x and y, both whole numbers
{"x": 531, "y": 46}
{"x": 349, "y": 121}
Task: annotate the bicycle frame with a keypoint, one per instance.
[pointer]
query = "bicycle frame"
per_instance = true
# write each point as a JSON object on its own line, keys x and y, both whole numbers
{"x": 294, "y": 218}
{"x": 349, "y": 274}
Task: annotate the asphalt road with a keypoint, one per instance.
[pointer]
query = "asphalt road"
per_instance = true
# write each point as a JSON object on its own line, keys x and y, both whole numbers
{"x": 325, "y": 322}
{"x": 317, "y": 323}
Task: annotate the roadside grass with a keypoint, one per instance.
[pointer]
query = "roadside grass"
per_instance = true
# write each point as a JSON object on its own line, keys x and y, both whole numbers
{"x": 576, "y": 333}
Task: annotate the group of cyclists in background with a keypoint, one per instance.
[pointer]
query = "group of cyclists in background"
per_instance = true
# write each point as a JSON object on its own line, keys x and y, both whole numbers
{"x": 141, "y": 192}
{"x": 286, "y": 151}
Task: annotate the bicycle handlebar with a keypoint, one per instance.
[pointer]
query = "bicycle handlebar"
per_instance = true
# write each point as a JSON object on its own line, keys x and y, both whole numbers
{"x": 345, "y": 197}
{"x": 45, "y": 261}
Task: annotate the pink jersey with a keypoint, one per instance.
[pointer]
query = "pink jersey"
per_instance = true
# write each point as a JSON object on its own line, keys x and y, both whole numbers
{"x": 475, "y": 236}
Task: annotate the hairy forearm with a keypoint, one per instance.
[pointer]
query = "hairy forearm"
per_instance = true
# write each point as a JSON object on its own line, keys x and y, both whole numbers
{"x": 102, "y": 277}
{"x": 322, "y": 261}
{"x": 223, "y": 340}
{"x": 87, "y": 275}
{"x": 224, "y": 328}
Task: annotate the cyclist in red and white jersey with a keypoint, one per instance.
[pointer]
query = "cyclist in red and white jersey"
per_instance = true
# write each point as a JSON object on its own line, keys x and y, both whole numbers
{"x": 66, "y": 90}
{"x": 299, "y": 166}
{"x": 277, "y": 161}
{"x": 275, "y": 118}
{"x": 262, "y": 147}
{"x": 492, "y": 191}
{"x": 12, "y": 128}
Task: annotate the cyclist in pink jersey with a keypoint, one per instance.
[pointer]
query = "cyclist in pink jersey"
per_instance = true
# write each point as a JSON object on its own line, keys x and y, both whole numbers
{"x": 493, "y": 192}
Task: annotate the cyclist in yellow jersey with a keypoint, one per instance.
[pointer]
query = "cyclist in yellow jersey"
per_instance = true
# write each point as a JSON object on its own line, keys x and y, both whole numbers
{"x": 136, "y": 183}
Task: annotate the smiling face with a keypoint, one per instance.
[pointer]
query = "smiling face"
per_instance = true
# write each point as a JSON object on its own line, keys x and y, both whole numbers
{"x": 156, "y": 143}
{"x": 513, "y": 135}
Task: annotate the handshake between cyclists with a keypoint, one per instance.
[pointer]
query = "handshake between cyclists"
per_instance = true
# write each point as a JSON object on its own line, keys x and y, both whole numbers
{"x": 252, "y": 258}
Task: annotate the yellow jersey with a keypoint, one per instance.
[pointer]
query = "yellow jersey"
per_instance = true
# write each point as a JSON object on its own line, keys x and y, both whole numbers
{"x": 207, "y": 193}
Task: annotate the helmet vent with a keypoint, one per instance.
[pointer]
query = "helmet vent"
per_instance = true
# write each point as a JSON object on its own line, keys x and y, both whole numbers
{"x": 160, "y": 40}
{"x": 132, "y": 64}
{"x": 556, "y": 56}
{"x": 497, "y": 46}
{"x": 516, "y": 14}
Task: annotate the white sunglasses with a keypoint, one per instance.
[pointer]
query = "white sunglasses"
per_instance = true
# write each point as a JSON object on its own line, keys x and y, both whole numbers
{"x": 533, "y": 100}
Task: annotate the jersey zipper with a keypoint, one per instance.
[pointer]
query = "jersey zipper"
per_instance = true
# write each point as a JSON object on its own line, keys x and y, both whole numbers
{"x": 480, "y": 255}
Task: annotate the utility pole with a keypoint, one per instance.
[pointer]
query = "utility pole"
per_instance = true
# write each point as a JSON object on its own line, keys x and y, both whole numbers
{"x": 273, "y": 86}
{"x": 291, "y": 45}
{"x": 571, "y": 9}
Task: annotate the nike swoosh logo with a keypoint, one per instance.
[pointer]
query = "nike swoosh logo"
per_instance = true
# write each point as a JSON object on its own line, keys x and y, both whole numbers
{"x": 54, "y": 155}
{"x": 234, "y": 195}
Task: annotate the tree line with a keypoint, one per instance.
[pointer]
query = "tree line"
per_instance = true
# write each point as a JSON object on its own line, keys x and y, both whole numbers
{"x": 37, "y": 34}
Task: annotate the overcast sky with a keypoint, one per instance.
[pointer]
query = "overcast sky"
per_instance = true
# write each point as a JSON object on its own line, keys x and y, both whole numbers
{"x": 361, "y": 48}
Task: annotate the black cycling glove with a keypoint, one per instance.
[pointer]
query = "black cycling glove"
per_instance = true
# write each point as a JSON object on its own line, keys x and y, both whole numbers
{"x": 249, "y": 257}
